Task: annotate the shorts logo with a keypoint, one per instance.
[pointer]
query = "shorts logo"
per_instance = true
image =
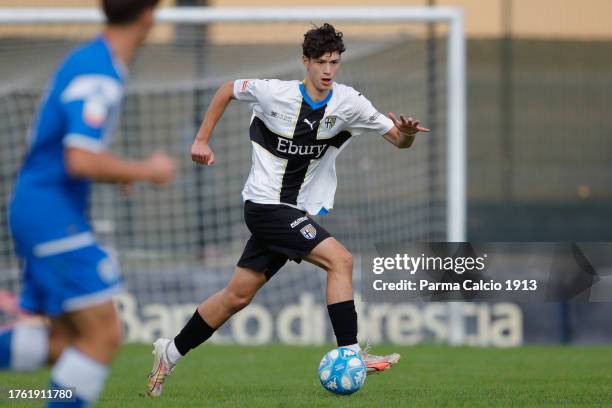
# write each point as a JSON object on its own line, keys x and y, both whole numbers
{"x": 107, "y": 270}
{"x": 329, "y": 122}
{"x": 298, "y": 222}
{"x": 244, "y": 86}
{"x": 309, "y": 232}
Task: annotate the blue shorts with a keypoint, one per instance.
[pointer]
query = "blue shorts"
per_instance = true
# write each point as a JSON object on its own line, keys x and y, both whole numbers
{"x": 57, "y": 283}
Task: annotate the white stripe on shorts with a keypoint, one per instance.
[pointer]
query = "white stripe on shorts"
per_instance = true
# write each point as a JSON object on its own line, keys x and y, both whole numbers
{"x": 61, "y": 245}
{"x": 92, "y": 299}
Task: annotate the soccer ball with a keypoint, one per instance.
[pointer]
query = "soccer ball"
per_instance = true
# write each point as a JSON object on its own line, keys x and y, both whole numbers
{"x": 342, "y": 371}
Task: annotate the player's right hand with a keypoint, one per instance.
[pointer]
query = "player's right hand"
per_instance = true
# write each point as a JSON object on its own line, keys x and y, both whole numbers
{"x": 202, "y": 153}
{"x": 162, "y": 169}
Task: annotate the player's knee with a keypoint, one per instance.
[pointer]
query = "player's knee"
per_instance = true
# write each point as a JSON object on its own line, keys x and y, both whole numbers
{"x": 347, "y": 261}
{"x": 342, "y": 263}
{"x": 106, "y": 335}
{"x": 238, "y": 301}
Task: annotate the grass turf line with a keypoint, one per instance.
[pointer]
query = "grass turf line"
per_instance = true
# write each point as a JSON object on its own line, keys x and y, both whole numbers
{"x": 427, "y": 376}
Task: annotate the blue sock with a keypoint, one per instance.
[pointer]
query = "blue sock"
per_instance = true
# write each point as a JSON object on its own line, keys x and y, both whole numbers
{"x": 74, "y": 402}
{"x": 81, "y": 373}
{"x": 24, "y": 347}
{"x": 6, "y": 338}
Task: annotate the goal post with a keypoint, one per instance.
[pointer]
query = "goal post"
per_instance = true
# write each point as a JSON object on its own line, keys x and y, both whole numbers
{"x": 181, "y": 245}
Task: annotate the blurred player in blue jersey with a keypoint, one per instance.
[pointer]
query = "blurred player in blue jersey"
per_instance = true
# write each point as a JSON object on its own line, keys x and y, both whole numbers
{"x": 67, "y": 276}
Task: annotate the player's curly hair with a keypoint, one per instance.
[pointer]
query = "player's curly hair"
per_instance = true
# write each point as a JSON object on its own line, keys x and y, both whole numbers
{"x": 125, "y": 11}
{"x": 322, "y": 40}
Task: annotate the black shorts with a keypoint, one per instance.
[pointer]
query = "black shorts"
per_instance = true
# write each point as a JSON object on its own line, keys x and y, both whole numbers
{"x": 280, "y": 233}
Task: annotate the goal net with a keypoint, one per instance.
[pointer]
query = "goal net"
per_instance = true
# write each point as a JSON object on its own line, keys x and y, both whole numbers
{"x": 180, "y": 245}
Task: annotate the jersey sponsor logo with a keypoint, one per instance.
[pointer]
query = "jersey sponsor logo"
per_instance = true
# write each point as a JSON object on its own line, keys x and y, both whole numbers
{"x": 287, "y": 146}
{"x": 311, "y": 124}
{"x": 375, "y": 116}
{"x": 282, "y": 116}
{"x": 329, "y": 122}
{"x": 298, "y": 221}
{"x": 309, "y": 231}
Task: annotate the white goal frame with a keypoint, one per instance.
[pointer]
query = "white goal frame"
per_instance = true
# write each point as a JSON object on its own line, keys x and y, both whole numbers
{"x": 456, "y": 209}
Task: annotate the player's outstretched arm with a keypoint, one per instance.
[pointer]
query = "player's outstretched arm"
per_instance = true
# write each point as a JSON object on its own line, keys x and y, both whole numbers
{"x": 200, "y": 150}
{"x": 158, "y": 169}
{"x": 403, "y": 133}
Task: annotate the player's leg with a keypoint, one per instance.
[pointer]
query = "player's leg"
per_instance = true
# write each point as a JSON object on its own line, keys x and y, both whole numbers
{"x": 33, "y": 343}
{"x": 218, "y": 308}
{"x": 34, "y": 340}
{"x": 98, "y": 331}
{"x": 24, "y": 346}
{"x": 62, "y": 333}
{"x": 238, "y": 293}
{"x": 74, "y": 287}
{"x": 332, "y": 256}
{"x": 209, "y": 316}
{"x": 84, "y": 364}
{"x": 337, "y": 261}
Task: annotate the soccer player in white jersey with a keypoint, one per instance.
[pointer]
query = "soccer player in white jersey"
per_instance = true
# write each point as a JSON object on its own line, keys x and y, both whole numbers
{"x": 67, "y": 277}
{"x": 297, "y": 130}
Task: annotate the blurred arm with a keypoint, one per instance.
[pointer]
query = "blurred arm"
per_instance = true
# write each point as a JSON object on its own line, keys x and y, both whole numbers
{"x": 158, "y": 169}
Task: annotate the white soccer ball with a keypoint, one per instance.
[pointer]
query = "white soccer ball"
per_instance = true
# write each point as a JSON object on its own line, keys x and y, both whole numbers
{"x": 342, "y": 371}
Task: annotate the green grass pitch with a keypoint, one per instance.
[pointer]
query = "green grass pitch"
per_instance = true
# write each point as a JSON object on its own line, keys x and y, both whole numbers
{"x": 427, "y": 376}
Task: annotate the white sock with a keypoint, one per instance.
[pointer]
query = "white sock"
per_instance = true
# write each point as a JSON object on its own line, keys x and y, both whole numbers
{"x": 86, "y": 375}
{"x": 29, "y": 346}
{"x": 355, "y": 347}
{"x": 172, "y": 352}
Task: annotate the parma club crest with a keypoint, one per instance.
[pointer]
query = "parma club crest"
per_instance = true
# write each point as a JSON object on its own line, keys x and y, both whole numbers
{"x": 329, "y": 122}
{"x": 309, "y": 232}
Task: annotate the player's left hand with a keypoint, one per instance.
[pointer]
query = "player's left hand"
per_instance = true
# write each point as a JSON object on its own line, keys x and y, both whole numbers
{"x": 407, "y": 125}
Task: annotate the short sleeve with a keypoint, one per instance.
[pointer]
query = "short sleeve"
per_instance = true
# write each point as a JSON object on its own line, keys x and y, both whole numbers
{"x": 367, "y": 118}
{"x": 91, "y": 106}
{"x": 249, "y": 90}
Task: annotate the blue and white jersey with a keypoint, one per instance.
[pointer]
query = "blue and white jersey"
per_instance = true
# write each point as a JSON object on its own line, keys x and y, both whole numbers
{"x": 80, "y": 109}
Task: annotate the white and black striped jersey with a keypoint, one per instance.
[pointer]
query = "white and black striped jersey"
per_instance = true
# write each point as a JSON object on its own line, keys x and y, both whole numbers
{"x": 296, "y": 141}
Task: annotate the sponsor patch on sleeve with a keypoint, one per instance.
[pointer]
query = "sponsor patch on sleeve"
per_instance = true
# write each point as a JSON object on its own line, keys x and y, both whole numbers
{"x": 373, "y": 117}
{"x": 244, "y": 86}
{"x": 95, "y": 112}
